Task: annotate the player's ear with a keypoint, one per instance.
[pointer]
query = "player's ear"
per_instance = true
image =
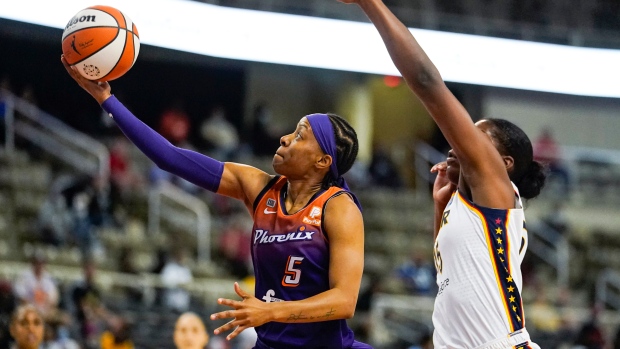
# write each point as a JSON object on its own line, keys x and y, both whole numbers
{"x": 325, "y": 161}
{"x": 509, "y": 162}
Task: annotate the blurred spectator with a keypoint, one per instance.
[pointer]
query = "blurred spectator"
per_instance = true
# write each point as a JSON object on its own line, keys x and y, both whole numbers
{"x": 220, "y": 134}
{"x": 591, "y": 335}
{"x": 426, "y": 342}
{"x": 246, "y": 339}
{"x": 218, "y": 342}
{"x": 358, "y": 177}
{"x": 265, "y": 139}
{"x": 418, "y": 274}
{"x": 8, "y": 303}
{"x": 27, "y": 327}
{"x": 118, "y": 336}
{"x": 126, "y": 265}
{"x": 190, "y": 332}
{"x": 174, "y": 125}
{"x": 174, "y": 275}
{"x": 557, "y": 219}
{"x": 35, "y": 286}
{"x": 235, "y": 245}
{"x": 57, "y": 337}
{"x": 383, "y": 171}
{"x": 547, "y": 150}
{"x": 92, "y": 201}
{"x": 87, "y": 304}
{"x": 362, "y": 322}
{"x": 122, "y": 174}
{"x": 543, "y": 315}
{"x": 54, "y": 220}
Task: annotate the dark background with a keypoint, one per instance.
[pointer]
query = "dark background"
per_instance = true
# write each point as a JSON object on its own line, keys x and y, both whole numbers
{"x": 159, "y": 79}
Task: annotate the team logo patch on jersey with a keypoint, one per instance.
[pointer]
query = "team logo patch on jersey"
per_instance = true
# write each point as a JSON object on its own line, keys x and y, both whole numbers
{"x": 271, "y": 202}
{"x": 314, "y": 218}
{"x": 263, "y": 237}
{"x": 269, "y": 297}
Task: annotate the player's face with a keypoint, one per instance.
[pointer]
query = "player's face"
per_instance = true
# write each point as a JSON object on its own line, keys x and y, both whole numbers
{"x": 454, "y": 168}
{"x": 298, "y": 152}
{"x": 190, "y": 333}
{"x": 28, "y": 330}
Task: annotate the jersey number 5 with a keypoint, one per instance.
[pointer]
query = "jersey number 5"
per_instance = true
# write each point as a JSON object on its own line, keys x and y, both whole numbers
{"x": 292, "y": 275}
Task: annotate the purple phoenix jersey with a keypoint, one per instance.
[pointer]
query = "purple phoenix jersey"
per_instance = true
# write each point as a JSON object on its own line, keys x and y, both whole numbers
{"x": 291, "y": 262}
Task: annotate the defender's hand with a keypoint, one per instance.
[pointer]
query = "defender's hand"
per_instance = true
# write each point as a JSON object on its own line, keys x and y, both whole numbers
{"x": 443, "y": 187}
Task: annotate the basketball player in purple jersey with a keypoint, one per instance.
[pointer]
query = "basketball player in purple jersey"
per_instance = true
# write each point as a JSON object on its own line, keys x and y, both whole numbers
{"x": 308, "y": 237}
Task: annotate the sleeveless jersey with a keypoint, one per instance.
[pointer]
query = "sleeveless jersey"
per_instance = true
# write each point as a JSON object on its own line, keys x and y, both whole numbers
{"x": 290, "y": 253}
{"x": 478, "y": 254}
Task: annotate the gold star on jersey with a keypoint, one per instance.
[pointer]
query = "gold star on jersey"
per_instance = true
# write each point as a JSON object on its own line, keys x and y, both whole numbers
{"x": 500, "y": 258}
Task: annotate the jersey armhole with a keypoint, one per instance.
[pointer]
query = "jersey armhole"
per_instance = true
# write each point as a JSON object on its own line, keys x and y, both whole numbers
{"x": 264, "y": 191}
{"x": 323, "y": 212}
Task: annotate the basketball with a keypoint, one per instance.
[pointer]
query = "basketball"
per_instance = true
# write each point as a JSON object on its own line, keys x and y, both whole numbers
{"x": 102, "y": 42}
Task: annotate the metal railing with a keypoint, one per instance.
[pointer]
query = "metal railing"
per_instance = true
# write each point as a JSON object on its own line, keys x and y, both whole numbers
{"x": 608, "y": 288}
{"x": 144, "y": 282}
{"x": 75, "y": 148}
{"x": 552, "y": 247}
{"x": 399, "y": 317}
{"x": 201, "y": 225}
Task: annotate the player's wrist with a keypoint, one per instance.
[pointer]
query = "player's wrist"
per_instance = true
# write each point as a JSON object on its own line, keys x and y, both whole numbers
{"x": 103, "y": 97}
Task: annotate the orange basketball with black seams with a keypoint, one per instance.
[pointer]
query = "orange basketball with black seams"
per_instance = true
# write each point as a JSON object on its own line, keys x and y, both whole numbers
{"x": 102, "y": 42}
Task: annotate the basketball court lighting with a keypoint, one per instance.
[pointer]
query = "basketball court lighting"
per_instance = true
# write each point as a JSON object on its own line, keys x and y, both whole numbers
{"x": 346, "y": 45}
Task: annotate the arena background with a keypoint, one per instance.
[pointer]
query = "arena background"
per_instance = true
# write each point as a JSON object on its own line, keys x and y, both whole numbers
{"x": 571, "y": 272}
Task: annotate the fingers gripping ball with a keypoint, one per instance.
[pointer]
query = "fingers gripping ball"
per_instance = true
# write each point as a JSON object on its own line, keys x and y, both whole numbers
{"x": 102, "y": 42}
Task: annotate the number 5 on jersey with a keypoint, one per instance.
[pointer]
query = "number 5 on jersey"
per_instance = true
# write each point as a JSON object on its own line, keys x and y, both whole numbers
{"x": 292, "y": 275}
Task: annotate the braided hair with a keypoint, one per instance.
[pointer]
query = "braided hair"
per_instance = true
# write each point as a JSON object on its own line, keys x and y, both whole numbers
{"x": 527, "y": 174}
{"x": 346, "y": 148}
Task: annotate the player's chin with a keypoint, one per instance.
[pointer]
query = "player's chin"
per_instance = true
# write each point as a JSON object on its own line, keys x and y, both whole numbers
{"x": 278, "y": 164}
{"x": 453, "y": 173}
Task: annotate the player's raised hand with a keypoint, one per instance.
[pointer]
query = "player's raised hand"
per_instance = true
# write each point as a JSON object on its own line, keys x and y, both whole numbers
{"x": 443, "y": 187}
{"x": 99, "y": 90}
{"x": 250, "y": 312}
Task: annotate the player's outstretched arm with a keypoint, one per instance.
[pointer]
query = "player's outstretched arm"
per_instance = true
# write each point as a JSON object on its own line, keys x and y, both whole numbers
{"x": 483, "y": 167}
{"x": 234, "y": 180}
{"x": 345, "y": 230}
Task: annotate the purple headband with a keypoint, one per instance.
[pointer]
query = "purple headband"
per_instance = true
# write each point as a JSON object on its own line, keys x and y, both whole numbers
{"x": 324, "y": 133}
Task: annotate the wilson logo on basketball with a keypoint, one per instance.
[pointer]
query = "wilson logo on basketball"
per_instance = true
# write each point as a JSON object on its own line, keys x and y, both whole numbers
{"x": 76, "y": 20}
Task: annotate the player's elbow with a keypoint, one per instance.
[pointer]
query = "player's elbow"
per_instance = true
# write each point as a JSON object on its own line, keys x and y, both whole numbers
{"x": 349, "y": 308}
{"x": 425, "y": 80}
